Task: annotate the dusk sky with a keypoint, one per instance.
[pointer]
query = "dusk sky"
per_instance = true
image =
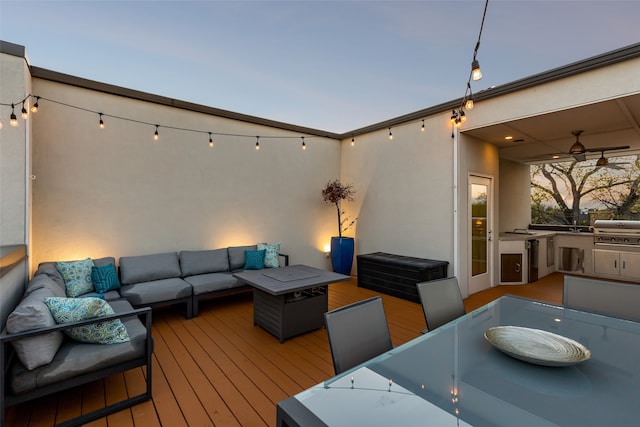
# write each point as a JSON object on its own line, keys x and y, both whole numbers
{"x": 330, "y": 65}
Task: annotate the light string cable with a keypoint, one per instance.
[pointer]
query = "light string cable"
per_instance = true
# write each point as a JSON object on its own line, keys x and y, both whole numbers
{"x": 102, "y": 115}
{"x": 458, "y": 116}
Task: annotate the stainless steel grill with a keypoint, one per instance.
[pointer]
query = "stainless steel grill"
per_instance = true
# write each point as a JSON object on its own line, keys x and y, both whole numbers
{"x": 616, "y": 232}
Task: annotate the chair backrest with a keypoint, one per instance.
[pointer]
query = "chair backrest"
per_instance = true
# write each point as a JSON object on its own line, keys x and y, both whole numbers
{"x": 357, "y": 332}
{"x": 602, "y": 296}
{"x": 441, "y": 301}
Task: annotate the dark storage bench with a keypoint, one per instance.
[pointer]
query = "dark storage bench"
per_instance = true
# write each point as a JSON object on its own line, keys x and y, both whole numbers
{"x": 397, "y": 275}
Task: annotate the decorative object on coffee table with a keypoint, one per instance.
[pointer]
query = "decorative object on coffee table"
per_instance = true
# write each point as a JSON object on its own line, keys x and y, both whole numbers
{"x": 341, "y": 247}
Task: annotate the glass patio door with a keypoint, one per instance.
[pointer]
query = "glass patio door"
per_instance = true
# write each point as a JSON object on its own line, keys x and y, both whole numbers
{"x": 480, "y": 233}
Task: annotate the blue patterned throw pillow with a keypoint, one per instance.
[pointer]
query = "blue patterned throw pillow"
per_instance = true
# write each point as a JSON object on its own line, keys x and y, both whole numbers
{"x": 105, "y": 278}
{"x": 77, "y": 277}
{"x": 254, "y": 260}
{"x": 67, "y": 310}
{"x": 271, "y": 254}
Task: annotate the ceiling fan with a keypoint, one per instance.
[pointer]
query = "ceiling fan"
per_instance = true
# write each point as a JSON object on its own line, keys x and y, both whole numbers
{"x": 579, "y": 151}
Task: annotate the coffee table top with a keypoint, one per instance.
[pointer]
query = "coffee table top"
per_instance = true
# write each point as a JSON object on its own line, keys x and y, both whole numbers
{"x": 282, "y": 280}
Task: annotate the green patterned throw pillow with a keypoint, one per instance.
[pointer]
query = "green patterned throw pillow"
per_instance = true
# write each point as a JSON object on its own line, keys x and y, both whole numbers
{"x": 254, "y": 260}
{"x": 272, "y": 251}
{"x": 77, "y": 277}
{"x": 67, "y": 310}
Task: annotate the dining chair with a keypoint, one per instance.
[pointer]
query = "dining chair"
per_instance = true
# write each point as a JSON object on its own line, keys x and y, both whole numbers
{"x": 441, "y": 301}
{"x": 606, "y": 297}
{"x": 357, "y": 332}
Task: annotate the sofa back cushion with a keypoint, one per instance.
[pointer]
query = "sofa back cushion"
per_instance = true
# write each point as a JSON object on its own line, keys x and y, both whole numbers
{"x": 32, "y": 313}
{"x": 145, "y": 268}
{"x": 201, "y": 262}
{"x": 236, "y": 256}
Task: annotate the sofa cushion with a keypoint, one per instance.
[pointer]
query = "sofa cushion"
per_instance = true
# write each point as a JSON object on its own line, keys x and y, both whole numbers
{"x": 32, "y": 313}
{"x": 211, "y": 282}
{"x": 236, "y": 256}
{"x": 44, "y": 281}
{"x": 105, "y": 278}
{"x": 156, "y": 291}
{"x": 67, "y": 310}
{"x": 75, "y": 359}
{"x": 77, "y": 276}
{"x": 201, "y": 262}
{"x": 254, "y": 260}
{"x": 271, "y": 255}
{"x": 144, "y": 268}
{"x": 49, "y": 269}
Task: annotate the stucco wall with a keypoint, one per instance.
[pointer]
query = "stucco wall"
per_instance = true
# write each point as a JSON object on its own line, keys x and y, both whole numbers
{"x": 404, "y": 190}
{"x": 15, "y": 85}
{"x": 117, "y": 192}
{"x": 515, "y": 188}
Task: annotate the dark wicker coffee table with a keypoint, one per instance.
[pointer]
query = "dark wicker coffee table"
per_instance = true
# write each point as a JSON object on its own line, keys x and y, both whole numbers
{"x": 289, "y": 301}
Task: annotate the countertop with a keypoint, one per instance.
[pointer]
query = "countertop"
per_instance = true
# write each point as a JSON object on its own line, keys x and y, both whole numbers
{"x": 539, "y": 234}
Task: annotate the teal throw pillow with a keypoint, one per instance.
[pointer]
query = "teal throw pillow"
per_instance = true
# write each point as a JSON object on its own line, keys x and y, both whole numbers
{"x": 254, "y": 260}
{"x": 105, "y": 278}
{"x": 67, "y": 310}
{"x": 272, "y": 251}
{"x": 77, "y": 277}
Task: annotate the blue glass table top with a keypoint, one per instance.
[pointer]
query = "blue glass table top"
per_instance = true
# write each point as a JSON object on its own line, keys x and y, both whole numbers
{"x": 454, "y": 376}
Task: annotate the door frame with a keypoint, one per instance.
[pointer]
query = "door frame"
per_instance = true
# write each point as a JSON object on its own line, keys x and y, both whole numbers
{"x": 485, "y": 280}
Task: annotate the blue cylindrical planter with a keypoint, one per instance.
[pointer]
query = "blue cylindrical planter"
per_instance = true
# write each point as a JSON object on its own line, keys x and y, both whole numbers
{"x": 342, "y": 254}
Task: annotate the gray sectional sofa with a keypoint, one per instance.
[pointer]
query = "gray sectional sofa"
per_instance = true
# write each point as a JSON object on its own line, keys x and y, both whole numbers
{"x": 184, "y": 278}
{"x": 38, "y": 359}
{"x": 46, "y": 361}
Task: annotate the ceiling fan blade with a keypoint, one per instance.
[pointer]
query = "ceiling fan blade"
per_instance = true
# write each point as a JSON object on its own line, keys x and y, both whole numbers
{"x": 603, "y": 149}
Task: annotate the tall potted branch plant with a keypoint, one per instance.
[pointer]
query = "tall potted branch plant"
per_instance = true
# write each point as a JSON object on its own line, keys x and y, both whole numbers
{"x": 334, "y": 193}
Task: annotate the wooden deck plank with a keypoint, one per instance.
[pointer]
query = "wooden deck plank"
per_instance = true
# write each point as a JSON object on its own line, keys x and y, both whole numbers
{"x": 220, "y": 369}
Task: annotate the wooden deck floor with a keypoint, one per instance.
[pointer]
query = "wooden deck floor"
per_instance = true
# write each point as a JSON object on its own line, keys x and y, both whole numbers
{"x": 220, "y": 370}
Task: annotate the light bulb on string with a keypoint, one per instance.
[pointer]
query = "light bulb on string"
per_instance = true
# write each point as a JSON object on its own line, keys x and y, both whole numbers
{"x": 34, "y": 107}
{"x": 156, "y": 135}
{"x": 422, "y": 128}
{"x": 257, "y": 142}
{"x": 13, "y": 120}
{"x": 390, "y": 134}
{"x": 476, "y": 74}
{"x": 25, "y": 114}
{"x": 210, "y": 140}
{"x": 101, "y": 122}
{"x": 353, "y": 141}
{"x": 469, "y": 104}
{"x": 304, "y": 145}
{"x": 1, "y": 125}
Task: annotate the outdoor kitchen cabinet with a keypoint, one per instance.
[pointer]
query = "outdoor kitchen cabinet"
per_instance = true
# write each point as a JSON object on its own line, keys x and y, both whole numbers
{"x": 616, "y": 263}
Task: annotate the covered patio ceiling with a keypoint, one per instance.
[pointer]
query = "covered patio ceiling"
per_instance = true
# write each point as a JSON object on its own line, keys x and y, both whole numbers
{"x": 538, "y": 139}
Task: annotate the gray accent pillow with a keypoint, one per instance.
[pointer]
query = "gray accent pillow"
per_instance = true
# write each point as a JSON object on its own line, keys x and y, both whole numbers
{"x": 101, "y": 262}
{"x": 202, "y": 262}
{"x": 44, "y": 281}
{"x": 32, "y": 313}
{"x": 236, "y": 256}
{"x": 145, "y": 268}
{"x": 49, "y": 268}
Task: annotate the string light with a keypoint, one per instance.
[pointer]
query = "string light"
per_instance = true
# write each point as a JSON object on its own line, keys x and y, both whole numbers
{"x": 1, "y": 125}
{"x": 390, "y": 134}
{"x": 24, "y": 112}
{"x": 34, "y": 107}
{"x": 210, "y": 140}
{"x": 304, "y": 146}
{"x": 422, "y": 128}
{"x": 458, "y": 117}
{"x": 101, "y": 122}
{"x": 353, "y": 141}
{"x": 257, "y": 142}
{"x": 156, "y": 135}
{"x": 13, "y": 121}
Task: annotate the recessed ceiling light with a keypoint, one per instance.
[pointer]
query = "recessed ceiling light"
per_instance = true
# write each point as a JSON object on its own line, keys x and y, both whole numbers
{"x": 508, "y": 138}
{"x": 556, "y": 156}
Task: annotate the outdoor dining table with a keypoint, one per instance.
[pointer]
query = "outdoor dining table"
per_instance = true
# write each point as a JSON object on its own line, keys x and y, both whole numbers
{"x": 453, "y": 376}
